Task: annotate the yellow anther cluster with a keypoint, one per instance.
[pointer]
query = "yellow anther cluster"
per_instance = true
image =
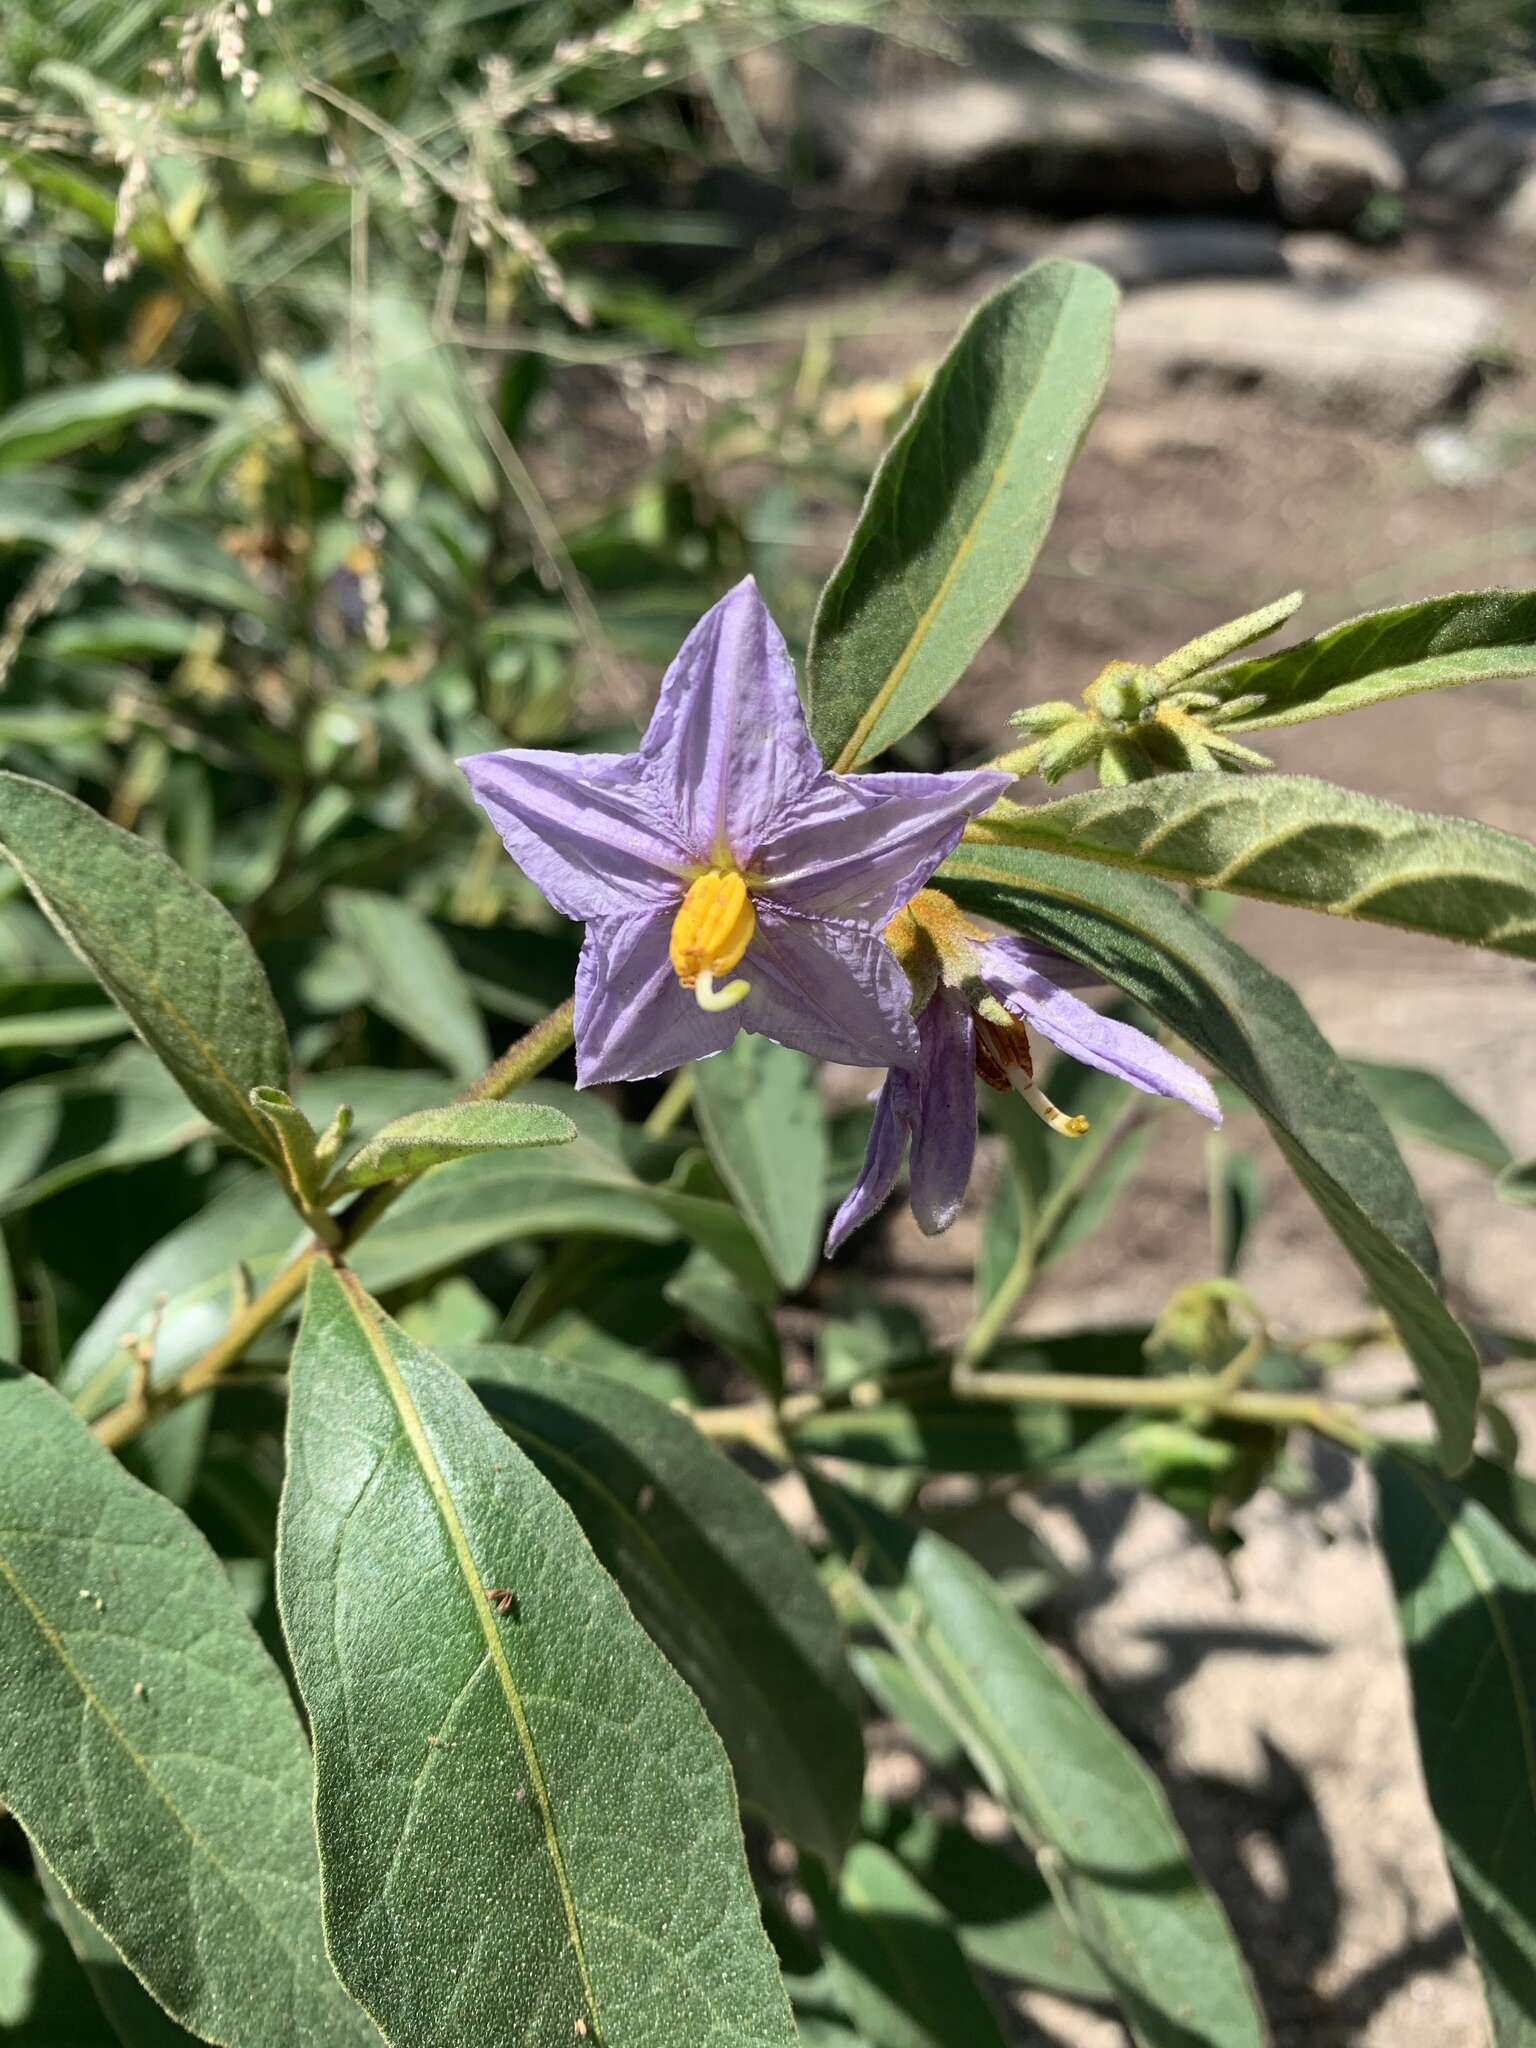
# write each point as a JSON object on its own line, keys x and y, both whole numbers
{"x": 713, "y": 927}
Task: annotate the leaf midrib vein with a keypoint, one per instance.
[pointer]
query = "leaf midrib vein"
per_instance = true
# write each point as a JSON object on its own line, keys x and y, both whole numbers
{"x": 426, "y": 1459}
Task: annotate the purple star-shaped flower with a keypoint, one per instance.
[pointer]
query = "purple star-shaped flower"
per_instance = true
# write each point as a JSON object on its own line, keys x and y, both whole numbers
{"x": 724, "y": 842}
{"x": 984, "y": 993}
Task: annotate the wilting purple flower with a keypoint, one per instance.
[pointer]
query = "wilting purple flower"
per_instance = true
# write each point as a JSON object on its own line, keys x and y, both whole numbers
{"x": 982, "y": 994}
{"x": 724, "y": 842}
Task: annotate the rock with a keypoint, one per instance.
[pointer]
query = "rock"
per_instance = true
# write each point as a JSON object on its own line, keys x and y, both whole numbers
{"x": 1330, "y": 165}
{"x": 1145, "y": 252}
{"x": 1038, "y": 119}
{"x": 1473, "y": 154}
{"x": 1390, "y": 352}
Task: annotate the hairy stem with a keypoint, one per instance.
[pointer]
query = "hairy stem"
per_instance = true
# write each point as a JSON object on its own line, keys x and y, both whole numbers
{"x": 521, "y": 1062}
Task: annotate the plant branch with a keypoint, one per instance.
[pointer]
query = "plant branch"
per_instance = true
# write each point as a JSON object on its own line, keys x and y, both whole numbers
{"x": 520, "y": 1063}
{"x": 761, "y": 1424}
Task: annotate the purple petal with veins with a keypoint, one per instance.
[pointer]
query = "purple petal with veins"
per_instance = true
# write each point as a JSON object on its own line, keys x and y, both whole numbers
{"x": 634, "y": 1018}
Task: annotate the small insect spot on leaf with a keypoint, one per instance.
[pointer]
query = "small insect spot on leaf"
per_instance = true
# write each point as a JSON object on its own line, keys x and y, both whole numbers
{"x": 580, "y": 2028}
{"x": 645, "y": 1499}
{"x": 503, "y": 1599}
{"x": 520, "y": 1794}
{"x": 138, "y": 1689}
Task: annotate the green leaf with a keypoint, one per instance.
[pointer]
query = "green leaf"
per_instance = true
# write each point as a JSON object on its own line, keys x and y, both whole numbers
{"x": 458, "y": 1130}
{"x": 413, "y": 979}
{"x": 726, "y": 1592}
{"x": 170, "y": 955}
{"x": 10, "y": 1310}
{"x": 1290, "y": 839}
{"x": 59, "y": 421}
{"x": 999, "y": 1905}
{"x": 1466, "y": 1603}
{"x": 132, "y": 2017}
{"x": 715, "y": 1302}
{"x": 1474, "y": 637}
{"x": 762, "y": 1120}
{"x": 1091, "y": 1811}
{"x": 527, "y": 1827}
{"x": 958, "y": 509}
{"x": 173, "y": 555}
{"x": 894, "y": 1959}
{"x": 45, "y": 2001}
{"x": 1517, "y": 1183}
{"x": 897, "y": 1694}
{"x": 1252, "y": 1026}
{"x": 48, "y": 1030}
{"x": 1419, "y": 1104}
{"x": 66, "y": 1127}
{"x": 149, "y": 1747}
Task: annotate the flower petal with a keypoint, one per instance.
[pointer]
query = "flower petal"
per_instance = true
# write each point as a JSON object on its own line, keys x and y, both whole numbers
{"x": 634, "y": 1018}
{"x": 584, "y": 827}
{"x": 882, "y": 1159}
{"x": 1114, "y": 1048}
{"x": 1023, "y": 956}
{"x": 833, "y": 990}
{"x": 944, "y": 1129}
{"x": 863, "y": 845}
{"x": 728, "y": 746}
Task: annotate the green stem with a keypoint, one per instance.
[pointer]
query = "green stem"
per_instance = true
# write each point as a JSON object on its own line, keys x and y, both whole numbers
{"x": 673, "y": 1105}
{"x": 530, "y": 1056}
{"x": 760, "y": 1423}
{"x": 1011, "y": 1289}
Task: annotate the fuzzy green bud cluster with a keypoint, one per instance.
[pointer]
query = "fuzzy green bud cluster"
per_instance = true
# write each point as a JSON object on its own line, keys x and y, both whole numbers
{"x": 1134, "y": 721}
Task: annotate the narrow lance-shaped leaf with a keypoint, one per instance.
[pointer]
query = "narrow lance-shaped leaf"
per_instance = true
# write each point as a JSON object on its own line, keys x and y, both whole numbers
{"x": 727, "y": 1593}
{"x": 1291, "y": 839}
{"x": 169, "y": 954}
{"x": 413, "y": 978}
{"x": 1474, "y": 637}
{"x": 898, "y": 1968}
{"x": 1466, "y": 1603}
{"x": 958, "y": 509}
{"x": 57, "y": 421}
{"x": 1419, "y": 1104}
{"x": 763, "y": 1124}
{"x": 149, "y": 1747}
{"x": 1252, "y": 1026}
{"x": 1081, "y": 1798}
{"x": 527, "y": 1827}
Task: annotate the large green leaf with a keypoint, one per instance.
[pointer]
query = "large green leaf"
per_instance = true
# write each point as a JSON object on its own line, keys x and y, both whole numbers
{"x": 1475, "y": 637}
{"x": 413, "y": 979}
{"x": 527, "y": 1827}
{"x": 170, "y": 955}
{"x": 132, "y": 2018}
{"x": 1252, "y": 1026}
{"x": 1079, "y": 1795}
{"x": 1419, "y": 1104}
{"x": 66, "y": 1127}
{"x": 58, "y": 421}
{"x": 1466, "y": 1602}
{"x": 148, "y": 1745}
{"x": 958, "y": 509}
{"x": 1294, "y": 840}
{"x": 763, "y": 1124}
{"x": 998, "y": 1904}
{"x": 727, "y": 1593}
{"x": 895, "y": 1960}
